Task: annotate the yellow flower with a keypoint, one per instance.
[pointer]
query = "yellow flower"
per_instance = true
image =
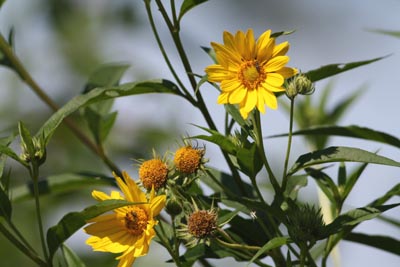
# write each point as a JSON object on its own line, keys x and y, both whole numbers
{"x": 188, "y": 159}
{"x": 127, "y": 230}
{"x": 250, "y": 71}
{"x": 153, "y": 172}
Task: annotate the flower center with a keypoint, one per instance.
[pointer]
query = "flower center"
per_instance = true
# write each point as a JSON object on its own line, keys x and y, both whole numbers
{"x": 153, "y": 172}
{"x": 250, "y": 74}
{"x": 135, "y": 220}
{"x": 202, "y": 223}
{"x": 188, "y": 159}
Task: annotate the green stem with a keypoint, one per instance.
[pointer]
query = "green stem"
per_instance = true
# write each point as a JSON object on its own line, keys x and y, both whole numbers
{"x": 238, "y": 246}
{"x": 261, "y": 150}
{"x": 16, "y": 65}
{"x": 167, "y": 245}
{"x": 35, "y": 178}
{"x": 20, "y": 236}
{"x": 289, "y": 145}
{"x": 25, "y": 250}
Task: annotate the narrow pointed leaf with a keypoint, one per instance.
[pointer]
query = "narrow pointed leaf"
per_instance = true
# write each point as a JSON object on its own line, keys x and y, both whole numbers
{"x": 387, "y": 32}
{"x": 394, "y": 191}
{"x": 71, "y": 258}
{"x": 5, "y": 204}
{"x": 273, "y": 243}
{"x": 10, "y": 153}
{"x": 356, "y": 216}
{"x": 294, "y": 184}
{"x": 385, "y": 243}
{"x": 221, "y": 140}
{"x": 350, "y": 131}
{"x": 340, "y": 154}
{"x": 100, "y": 94}
{"x": 189, "y": 4}
{"x": 73, "y": 221}
{"x": 333, "y": 69}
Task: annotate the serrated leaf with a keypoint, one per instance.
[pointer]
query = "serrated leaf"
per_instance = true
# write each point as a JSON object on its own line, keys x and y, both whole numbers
{"x": 340, "y": 154}
{"x": 333, "y": 69}
{"x": 385, "y": 243}
{"x": 353, "y": 131}
{"x": 273, "y": 243}
{"x": 188, "y": 5}
{"x": 71, "y": 259}
{"x": 73, "y": 221}
{"x": 99, "y": 94}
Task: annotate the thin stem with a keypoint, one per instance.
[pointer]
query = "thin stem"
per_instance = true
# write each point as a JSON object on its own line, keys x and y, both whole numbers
{"x": 16, "y": 64}
{"x": 289, "y": 144}
{"x": 261, "y": 151}
{"x": 25, "y": 250}
{"x": 167, "y": 245}
{"x": 35, "y": 178}
{"x": 238, "y": 246}
{"x": 20, "y": 236}
{"x": 176, "y": 241}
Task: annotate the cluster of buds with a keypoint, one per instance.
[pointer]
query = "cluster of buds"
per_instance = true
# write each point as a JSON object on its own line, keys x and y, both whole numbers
{"x": 38, "y": 154}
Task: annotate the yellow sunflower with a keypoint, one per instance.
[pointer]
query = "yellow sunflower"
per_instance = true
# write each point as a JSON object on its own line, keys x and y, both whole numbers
{"x": 128, "y": 230}
{"x": 250, "y": 71}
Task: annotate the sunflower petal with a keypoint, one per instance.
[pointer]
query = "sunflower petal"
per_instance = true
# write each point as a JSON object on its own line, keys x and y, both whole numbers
{"x": 280, "y": 49}
{"x": 287, "y": 72}
{"x": 230, "y": 85}
{"x": 275, "y": 79}
{"x": 276, "y": 63}
{"x": 251, "y": 100}
{"x": 237, "y": 95}
{"x": 223, "y": 98}
{"x": 217, "y": 73}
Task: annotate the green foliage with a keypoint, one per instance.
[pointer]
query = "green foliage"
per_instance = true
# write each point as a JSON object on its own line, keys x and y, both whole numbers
{"x": 188, "y": 5}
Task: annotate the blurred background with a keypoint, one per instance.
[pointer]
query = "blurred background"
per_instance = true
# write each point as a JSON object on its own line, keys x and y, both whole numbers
{"x": 62, "y": 41}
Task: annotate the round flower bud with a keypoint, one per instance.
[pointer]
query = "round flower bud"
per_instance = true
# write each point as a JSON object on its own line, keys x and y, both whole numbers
{"x": 300, "y": 84}
{"x": 153, "y": 172}
{"x": 188, "y": 159}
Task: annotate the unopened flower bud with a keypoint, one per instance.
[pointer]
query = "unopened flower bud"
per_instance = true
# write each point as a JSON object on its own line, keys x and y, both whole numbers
{"x": 173, "y": 207}
{"x": 300, "y": 84}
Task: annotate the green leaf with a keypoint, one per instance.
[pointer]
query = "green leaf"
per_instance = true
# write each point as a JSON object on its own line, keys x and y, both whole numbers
{"x": 71, "y": 258}
{"x": 10, "y": 153}
{"x": 5, "y": 204}
{"x": 357, "y": 216}
{"x": 62, "y": 184}
{"x": 106, "y": 75}
{"x": 187, "y": 5}
{"x": 224, "y": 142}
{"x": 249, "y": 160}
{"x": 73, "y": 221}
{"x": 333, "y": 69}
{"x": 385, "y": 243}
{"x": 339, "y": 154}
{"x": 387, "y": 32}
{"x": 277, "y": 34}
{"x": 99, "y": 94}
{"x": 394, "y": 191}
{"x": 26, "y": 140}
{"x": 351, "y": 181}
{"x": 273, "y": 243}
{"x": 326, "y": 184}
{"x": 350, "y": 131}
{"x": 294, "y": 184}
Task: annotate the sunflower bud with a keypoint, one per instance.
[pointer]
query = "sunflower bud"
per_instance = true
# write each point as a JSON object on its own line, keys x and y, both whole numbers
{"x": 305, "y": 224}
{"x": 153, "y": 172}
{"x": 188, "y": 160}
{"x": 173, "y": 206}
{"x": 300, "y": 84}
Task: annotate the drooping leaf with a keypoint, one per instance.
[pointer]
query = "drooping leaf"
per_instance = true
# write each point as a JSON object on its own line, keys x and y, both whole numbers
{"x": 326, "y": 184}
{"x": 333, "y": 69}
{"x": 386, "y": 243}
{"x": 71, "y": 258}
{"x": 187, "y": 5}
{"x": 73, "y": 221}
{"x": 99, "y": 94}
{"x": 350, "y": 131}
{"x": 271, "y": 244}
{"x": 339, "y": 154}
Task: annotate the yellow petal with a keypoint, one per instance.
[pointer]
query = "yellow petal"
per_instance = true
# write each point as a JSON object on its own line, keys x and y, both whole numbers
{"x": 270, "y": 99}
{"x": 223, "y": 98}
{"x": 260, "y": 101}
{"x": 267, "y": 86}
{"x": 276, "y": 63}
{"x": 275, "y": 79}
{"x": 217, "y": 73}
{"x": 108, "y": 244}
{"x": 98, "y": 195}
{"x": 251, "y": 100}
{"x": 126, "y": 259}
{"x": 104, "y": 226}
{"x": 157, "y": 205}
{"x": 230, "y": 85}
{"x": 280, "y": 49}
{"x": 244, "y": 113}
{"x": 287, "y": 72}
{"x": 226, "y": 56}
{"x": 237, "y": 95}
{"x": 241, "y": 43}
{"x": 250, "y": 44}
